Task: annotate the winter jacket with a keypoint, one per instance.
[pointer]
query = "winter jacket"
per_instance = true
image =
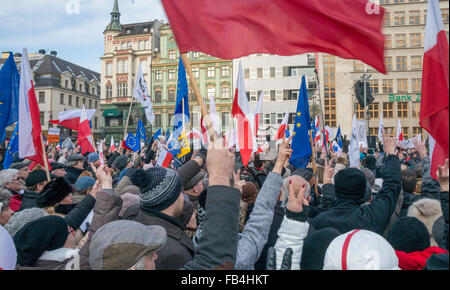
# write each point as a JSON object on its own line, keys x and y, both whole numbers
{"x": 437, "y": 262}
{"x": 417, "y": 260}
{"x": 256, "y": 230}
{"x": 59, "y": 259}
{"x": 73, "y": 174}
{"x": 29, "y": 199}
{"x": 348, "y": 214}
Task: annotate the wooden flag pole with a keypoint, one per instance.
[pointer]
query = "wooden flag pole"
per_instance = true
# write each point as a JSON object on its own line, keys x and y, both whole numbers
{"x": 198, "y": 96}
{"x": 47, "y": 171}
{"x": 128, "y": 119}
{"x": 313, "y": 162}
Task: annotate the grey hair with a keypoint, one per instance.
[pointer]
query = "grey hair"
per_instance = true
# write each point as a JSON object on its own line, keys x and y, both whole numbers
{"x": 5, "y": 197}
{"x": 71, "y": 163}
{"x": 7, "y": 175}
{"x": 285, "y": 189}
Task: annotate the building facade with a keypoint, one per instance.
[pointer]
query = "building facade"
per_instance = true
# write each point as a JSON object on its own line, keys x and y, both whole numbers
{"x": 126, "y": 48}
{"x": 214, "y": 78}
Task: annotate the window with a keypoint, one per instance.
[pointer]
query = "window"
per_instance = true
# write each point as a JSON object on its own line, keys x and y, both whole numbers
{"x": 260, "y": 73}
{"x": 90, "y": 104}
{"x": 196, "y": 72}
{"x": 417, "y": 131}
{"x": 387, "y": 19}
{"x": 246, "y": 73}
{"x": 402, "y": 109}
{"x": 279, "y": 95}
{"x": 272, "y": 72}
{"x": 42, "y": 117}
{"x": 389, "y": 129}
{"x": 120, "y": 67}
{"x": 358, "y": 65}
{"x": 266, "y": 96}
{"x": 400, "y": 40}
{"x": 388, "y": 62}
{"x": 144, "y": 66}
{"x": 402, "y": 85}
{"x": 41, "y": 97}
{"x": 80, "y": 87}
{"x": 108, "y": 69}
{"x": 253, "y": 73}
{"x": 414, "y": 17}
{"x": 226, "y": 119}
{"x": 444, "y": 13}
{"x": 70, "y": 100}
{"x": 416, "y": 85}
{"x": 84, "y": 101}
{"x": 170, "y": 119}
{"x": 266, "y": 72}
{"x": 158, "y": 75}
{"x": 66, "y": 83}
{"x": 405, "y": 131}
{"x": 191, "y": 95}
{"x": 122, "y": 90}
{"x": 225, "y": 71}
{"x": 399, "y": 1}
{"x": 280, "y": 118}
{"x": 125, "y": 66}
{"x": 77, "y": 102}
{"x": 171, "y": 74}
{"x": 195, "y": 54}
{"x": 273, "y": 96}
{"x": 171, "y": 94}
{"x": 329, "y": 90}
{"x": 388, "y": 110}
{"x": 415, "y": 40}
{"x": 359, "y": 111}
{"x": 388, "y": 87}
{"x": 211, "y": 92}
{"x": 158, "y": 98}
{"x": 211, "y": 72}
{"x": 109, "y": 92}
{"x": 96, "y": 122}
{"x": 267, "y": 119}
{"x": 401, "y": 63}
{"x": 225, "y": 92}
{"x": 158, "y": 122}
{"x": 279, "y": 72}
{"x": 416, "y": 62}
{"x": 374, "y": 86}
{"x": 61, "y": 99}
{"x": 172, "y": 54}
{"x": 399, "y": 18}
{"x": 147, "y": 44}
{"x": 141, "y": 45}
{"x": 93, "y": 91}
{"x": 384, "y": 1}
{"x": 388, "y": 41}
{"x": 123, "y": 45}
{"x": 96, "y": 105}
{"x": 373, "y": 131}
{"x": 416, "y": 109}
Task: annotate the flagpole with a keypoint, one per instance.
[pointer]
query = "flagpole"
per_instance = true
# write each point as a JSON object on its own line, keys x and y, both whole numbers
{"x": 313, "y": 162}
{"x": 198, "y": 96}
{"x": 47, "y": 171}
{"x": 128, "y": 119}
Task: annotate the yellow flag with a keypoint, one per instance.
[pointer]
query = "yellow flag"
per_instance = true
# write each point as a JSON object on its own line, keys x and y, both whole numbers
{"x": 184, "y": 143}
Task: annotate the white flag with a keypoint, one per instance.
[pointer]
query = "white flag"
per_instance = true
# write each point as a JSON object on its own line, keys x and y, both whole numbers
{"x": 353, "y": 150}
{"x": 142, "y": 95}
{"x": 214, "y": 117}
{"x": 362, "y": 136}
{"x": 380, "y": 130}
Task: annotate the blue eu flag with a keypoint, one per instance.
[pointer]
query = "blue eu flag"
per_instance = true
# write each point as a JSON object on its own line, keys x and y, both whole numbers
{"x": 301, "y": 144}
{"x": 13, "y": 147}
{"x": 174, "y": 146}
{"x": 141, "y": 134}
{"x": 9, "y": 94}
{"x": 338, "y": 138}
{"x": 133, "y": 143}
{"x": 182, "y": 101}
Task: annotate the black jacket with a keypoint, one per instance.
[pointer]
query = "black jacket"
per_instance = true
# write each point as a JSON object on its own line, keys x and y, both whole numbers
{"x": 347, "y": 214}
{"x": 73, "y": 174}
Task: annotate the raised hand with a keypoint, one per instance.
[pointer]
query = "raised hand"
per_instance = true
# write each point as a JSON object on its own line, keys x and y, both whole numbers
{"x": 104, "y": 177}
{"x": 284, "y": 153}
{"x": 238, "y": 183}
{"x": 286, "y": 263}
{"x": 389, "y": 143}
{"x": 443, "y": 176}
{"x": 219, "y": 163}
{"x": 328, "y": 172}
{"x": 296, "y": 199}
{"x": 420, "y": 147}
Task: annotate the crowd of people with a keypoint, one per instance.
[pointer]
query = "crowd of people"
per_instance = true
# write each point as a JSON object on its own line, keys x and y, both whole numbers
{"x": 211, "y": 212}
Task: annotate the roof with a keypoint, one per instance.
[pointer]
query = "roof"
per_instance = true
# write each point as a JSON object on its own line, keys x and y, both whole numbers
{"x": 136, "y": 28}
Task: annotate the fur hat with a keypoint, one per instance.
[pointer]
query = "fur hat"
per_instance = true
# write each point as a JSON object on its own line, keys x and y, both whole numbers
{"x": 438, "y": 231}
{"x": 427, "y": 211}
{"x": 133, "y": 189}
{"x": 21, "y": 218}
{"x": 314, "y": 247}
{"x": 408, "y": 235}
{"x": 369, "y": 176}
{"x": 54, "y": 192}
{"x": 350, "y": 183}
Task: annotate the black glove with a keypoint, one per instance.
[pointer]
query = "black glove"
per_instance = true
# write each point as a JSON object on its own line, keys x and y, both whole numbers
{"x": 272, "y": 259}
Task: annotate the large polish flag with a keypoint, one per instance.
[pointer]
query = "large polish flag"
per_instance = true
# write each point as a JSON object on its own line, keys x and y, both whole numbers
{"x": 434, "y": 113}
{"x": 30, "y": 131}
{"x": 71, "y": 119}
{"x": 164, "y": 158}
{"x": 282, "y": 130}
{"x": 85, "y": 134}
{"x": 246, "y": 142}
{"x": 258, "y": 112}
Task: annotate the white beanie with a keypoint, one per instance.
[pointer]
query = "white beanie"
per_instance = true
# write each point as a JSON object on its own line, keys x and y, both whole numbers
{"x": 8, "y": 253}
{"x": 360, "y": 250}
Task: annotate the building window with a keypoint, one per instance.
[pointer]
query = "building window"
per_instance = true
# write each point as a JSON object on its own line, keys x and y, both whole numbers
{"x": 96, "y": 105}
{"x": 195, "y": 54}
{"x": 171, "y": 74}
{"x": 388, "y": 63}
{"x": 402, "y": 109}
{"x": 401, "y": 63}
{"x": 374, "y": 86}
{"x": 444, "y": 13}
{"x": 279, "y": 95}
{"x": 246, "y": 73}
{"x": 191, "y": 95}
{"x": 399, "y": 18}
{"x": 417, "y": 131}
{"x": 42, "y": 118}
{"x": 373, "y": 131}
{"x": 329, "y": 68}
{"x": 416, "y": 109}
{"x": 225, "y": 71}
{"x": 41, "y": 97}
{"x": 61, "y": 99}
{"x": 171, "y": 94}
{"x": 388, "y": 87}
{"x": 400, "y": 40}
{"x": 226, "y": 120}
{"x": 211, "y": 92}
{"x": 77, "y": 102}
{"x": 359, "y": 111}
{"x": 84, "y": 101}
{"x": 90, "y": 104}
{"x": 158, "y": 98}
{"x": 108, "y": 92}
{"x": 415, "y": 40}
{"x": 66, "y": 84}
{"x": 158, "y": 75}
{"x": 96, "y": 122}
{"x": 416, "y": 62}
{"x": 109, "y": 69}
{"x": 402, "y": 85}
{"x": 225, "y": 92}
{"x": 211, "y": 72}
{"x": 141, "y": 45}
{"x": 122, "y": 90}
{"x": 253, "y": 73}
{"x": 388, "y": 110}
{"x": 170, "y": 119}
{"x": 414, "y": 17}
{"x": 259, "y": 72}
{"x": 125, "y": 66}
{"x": 388, "y": 41}
{"x": 266, "y": 72}
{"x": 387, "y": 19}
{"x": 273, "y": 96}
{"x": 278, "y": 72}
{"x": 405, "y": 131}
{"x": 384, "y": 1}
{"x": 358, "y": 65}
{"x": 120, "y": 67}
{"x": 158, "y": 123}
{"x": 172, "y": 54}
{"x": 196, "y": 72}
{"x": 253, "y": 96}
{"x": 416, "y": 85}
{"x": 70, "y": 100}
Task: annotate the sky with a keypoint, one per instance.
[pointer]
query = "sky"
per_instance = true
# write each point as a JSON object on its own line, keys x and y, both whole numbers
{"x": 75, "y": 34}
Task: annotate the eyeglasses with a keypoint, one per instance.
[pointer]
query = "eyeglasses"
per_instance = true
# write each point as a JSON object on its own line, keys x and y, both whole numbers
{"x": 71, "y": 231}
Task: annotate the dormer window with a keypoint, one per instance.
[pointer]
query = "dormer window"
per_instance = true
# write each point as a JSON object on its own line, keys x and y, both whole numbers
{"x": 128, "y": 31}
{"x": 145, "y": 30}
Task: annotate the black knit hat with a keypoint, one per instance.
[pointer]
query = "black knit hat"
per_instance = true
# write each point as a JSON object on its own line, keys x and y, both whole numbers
{"x": 350, "y": 183}
{"x": 408, "y": 234}
{"x": 160, "y": 187}
{"x": 35, "y": 177}
{"x": 315, "y": 246}
{"x": 54, "y": 192}
{"x": 370, "y": 162}
{"x": 120, "y": 162}
{"x": 44, "y": 234}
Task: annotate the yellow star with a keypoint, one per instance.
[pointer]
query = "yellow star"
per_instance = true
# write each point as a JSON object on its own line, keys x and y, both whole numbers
{"x": 298, "y": 125}
{"x": 299, "y": 114}
{"x": 294, "y": 133}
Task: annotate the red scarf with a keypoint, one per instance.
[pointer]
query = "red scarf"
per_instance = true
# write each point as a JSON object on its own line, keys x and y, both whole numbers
{"x": 15, "y": 202}
{"x": 417, "y": 260}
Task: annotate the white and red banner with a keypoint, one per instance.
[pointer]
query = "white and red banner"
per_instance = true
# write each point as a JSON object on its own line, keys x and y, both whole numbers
{"x": 282, "y": 130}
{"x": 71, "y": 119}
{"x": 434, "y": 113}
{"x": 85, "y": 134}
{"x": 164, "y": 158}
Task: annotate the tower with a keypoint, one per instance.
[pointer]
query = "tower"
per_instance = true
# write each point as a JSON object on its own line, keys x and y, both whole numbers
{"x": 115, "y": 19}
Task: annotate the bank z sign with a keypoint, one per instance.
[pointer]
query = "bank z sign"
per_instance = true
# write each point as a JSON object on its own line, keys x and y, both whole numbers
{"x": 407, "y": 98}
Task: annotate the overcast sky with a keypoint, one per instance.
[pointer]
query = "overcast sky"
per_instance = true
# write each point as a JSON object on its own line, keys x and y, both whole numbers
{"x": 53, "y": 25}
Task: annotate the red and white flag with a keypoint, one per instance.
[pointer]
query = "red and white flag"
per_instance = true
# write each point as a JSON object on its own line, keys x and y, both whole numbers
{"x": 246, "y": 142}
{"x": 30, "y": 130}
{"x": 113, "y": 146}
{"x": 317, "y": 129}
{"x": 399, "y": 131}
{"x": 100, "y": 153}
{"x": 71, "y": 119}
{"x": 85, "y": 134}
{"x": 205, "y": 135}
{"x": 282, "y": 130}
{"x": 434, "y": 113}
{"x": 258, "y": 112}
{"x": 164, "y": 158}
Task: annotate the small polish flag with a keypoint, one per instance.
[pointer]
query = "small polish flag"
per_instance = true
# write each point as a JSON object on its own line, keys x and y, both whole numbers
{"x": 113, "y": 146}
{"x": 85, "y": 134}
{"x": 164, "y": 158}
{"x": 399, "y": 131}
{"x": 100, "y": 153}
{"x": 282, "y": 130}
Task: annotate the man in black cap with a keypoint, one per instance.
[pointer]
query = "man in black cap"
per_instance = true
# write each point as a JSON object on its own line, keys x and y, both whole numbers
{"x": 58, "y": 169}
{"x": 35, "y": 182}
{"x": 75, "y": 165}
{"x": 192, "y": 176}
{"x": 350, "y": 189}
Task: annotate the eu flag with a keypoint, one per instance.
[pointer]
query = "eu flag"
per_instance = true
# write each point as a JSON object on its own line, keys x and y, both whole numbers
{"x": 141, "y": 134}
{"x": 13, "y": 147}
{"x": 182, "y": 104}
{"x": 133, "y": 143}
{"x": 338, "y": 138}
{"x": 174, "y": 146}
{"x": 156, "y": 135}
{"x": 301, "y": 144}
{"x": 9, "y": 94}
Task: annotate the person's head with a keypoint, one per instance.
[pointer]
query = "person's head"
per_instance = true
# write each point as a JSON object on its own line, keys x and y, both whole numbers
{"x": 84, "y": 185}
{"x": 58, "y": 169}
{"x": 9, "y": 178}
{"x": 94, "y": 158}
{"x": 307, "y": 174}
{"x": 408, "y": 234}
{"x": 161, "y": 190}
{"x": 5, "y": 211}
{"x": 76, "y": 161}
{"x": 86, "y": 173}
{"x": 370, "y": 161}
{"x": 364, "y": 250}
{"x": 126, "y": 245}
{"x": 249, "y": 192}
{"x": 120, "y": 163}
{"x": 370, "y": 176}
{"x": 297, "y": 182}
{"x": 428, "y": 211}
{"x": 22, "y": 217}
{"x": 188, "y": 217}
{"x": 192, "y": 174}
{"x": 36, "y": 180}
{"x": 314, "y": 247}
{"x": 54, "y": 192}
{"x": 350, "y": 183}
{"x": 409, "y": 180}
{"x": 23, "y": 169}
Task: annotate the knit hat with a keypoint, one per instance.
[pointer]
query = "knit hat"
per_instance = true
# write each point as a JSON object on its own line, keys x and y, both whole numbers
{"x": 362, "y": 250}
{"x": 249, "y": 192}
{"x": 21, "y": 218}
{"x": 84, "y": 182}
{"x": 119, "y": 245}
{"x": 427, "y": 210}
{"x": 35, "y": 177}
{"x": 191, "y": 173}
{"x": 120, "y": 162}
{"x": 44, "y": 234}
{"x": 408, "y": 234}
{"x": 188, "y": 210}
{"x": 438, "y": 230}
{"x": 54, "y": 192}
{"x": 128, "y": 200}
{"x": 8, "y": 253}
{"x": 314, "y": 247}
{"x": 160, "y": 187}
{"x": 350, "y": 183}
{"x": 92, "y": 157}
